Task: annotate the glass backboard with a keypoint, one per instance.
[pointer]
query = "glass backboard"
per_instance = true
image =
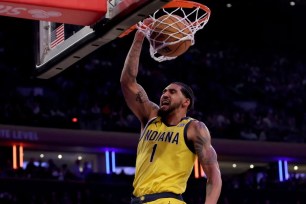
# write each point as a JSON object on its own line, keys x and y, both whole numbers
{"x": 61, "y": 45}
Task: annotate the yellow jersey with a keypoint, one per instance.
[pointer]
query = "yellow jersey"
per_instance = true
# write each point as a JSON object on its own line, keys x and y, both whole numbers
{"x": 165, "y": 158}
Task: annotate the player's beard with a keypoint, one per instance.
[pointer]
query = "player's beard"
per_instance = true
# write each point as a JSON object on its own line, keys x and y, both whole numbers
{"x": 164, "y": 113}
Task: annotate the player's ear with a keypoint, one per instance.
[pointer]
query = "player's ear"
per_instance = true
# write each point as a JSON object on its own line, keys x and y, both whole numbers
{"x": 186, "y": 102}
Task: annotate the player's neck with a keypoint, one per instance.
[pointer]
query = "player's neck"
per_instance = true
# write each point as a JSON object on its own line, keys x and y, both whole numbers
{"x": 173, "y": 118}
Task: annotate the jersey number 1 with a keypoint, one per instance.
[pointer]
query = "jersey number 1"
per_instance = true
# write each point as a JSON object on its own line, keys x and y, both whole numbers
{"x": 153, "y": 152}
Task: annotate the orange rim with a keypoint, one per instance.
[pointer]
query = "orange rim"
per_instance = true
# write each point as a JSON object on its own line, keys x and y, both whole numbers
{"x": 175, "y": 4}
{"x": 186, "y": 4}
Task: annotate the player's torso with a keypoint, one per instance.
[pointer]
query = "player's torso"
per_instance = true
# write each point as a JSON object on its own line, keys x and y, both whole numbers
{"x": 164, "y": 161}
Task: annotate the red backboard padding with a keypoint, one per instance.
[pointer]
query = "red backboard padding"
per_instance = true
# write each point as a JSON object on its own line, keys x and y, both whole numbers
{"x": 77, "y": 12}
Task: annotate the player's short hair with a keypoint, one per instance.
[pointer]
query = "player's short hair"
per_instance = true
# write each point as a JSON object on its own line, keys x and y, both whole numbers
{"x": 187, "y": 92}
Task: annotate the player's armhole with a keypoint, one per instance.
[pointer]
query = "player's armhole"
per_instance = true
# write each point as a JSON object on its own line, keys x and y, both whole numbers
{"x": 145, "y": 128}
{"x": 189, "y": 143}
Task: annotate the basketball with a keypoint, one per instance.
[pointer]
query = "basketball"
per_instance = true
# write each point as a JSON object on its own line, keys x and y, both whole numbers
{"x": 170, "y": 29}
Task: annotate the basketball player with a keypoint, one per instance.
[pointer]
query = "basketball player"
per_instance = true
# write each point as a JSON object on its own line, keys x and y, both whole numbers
{"x": 169, "y": 141}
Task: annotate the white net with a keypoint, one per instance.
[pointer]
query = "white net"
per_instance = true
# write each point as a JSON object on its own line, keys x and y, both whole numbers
{"x": 193, "y": 19}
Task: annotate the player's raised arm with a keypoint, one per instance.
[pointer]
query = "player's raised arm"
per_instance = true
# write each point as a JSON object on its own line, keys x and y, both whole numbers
{"x": 207, "y": 156}
{"x": 134, "y": 94}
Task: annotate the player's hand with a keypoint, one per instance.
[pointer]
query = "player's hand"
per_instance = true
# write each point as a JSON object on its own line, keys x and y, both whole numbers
{"x": 139, "y": 36}
{"x": 143, "y": 28}
{"x": 148, "y": 22}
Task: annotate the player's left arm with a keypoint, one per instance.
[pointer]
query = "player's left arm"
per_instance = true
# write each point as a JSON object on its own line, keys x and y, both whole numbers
{"x": 207, "y": 156}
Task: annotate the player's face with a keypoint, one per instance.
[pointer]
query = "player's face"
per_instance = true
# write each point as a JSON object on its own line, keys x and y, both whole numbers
{"x": 171, "y": 99}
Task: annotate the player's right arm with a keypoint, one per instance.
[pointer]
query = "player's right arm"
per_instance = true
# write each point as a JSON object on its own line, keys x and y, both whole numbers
{"x": 134, "y": 94}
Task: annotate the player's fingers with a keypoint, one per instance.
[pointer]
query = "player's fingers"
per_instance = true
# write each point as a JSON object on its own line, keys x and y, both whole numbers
{"x": 148, "y": 22}
{"x": 139, "y": 35}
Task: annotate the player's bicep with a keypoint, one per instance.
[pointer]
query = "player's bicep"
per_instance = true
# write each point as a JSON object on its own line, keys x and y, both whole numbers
{"x": 138, "y": 101}
{"x": 205, "y": 152}
{"x": 202, "y": 144}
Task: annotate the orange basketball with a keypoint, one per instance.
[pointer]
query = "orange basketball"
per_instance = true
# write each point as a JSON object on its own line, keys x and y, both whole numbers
{"x": 170, "y": 28}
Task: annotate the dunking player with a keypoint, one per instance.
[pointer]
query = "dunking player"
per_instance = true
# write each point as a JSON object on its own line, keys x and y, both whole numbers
{"x": 169, "y": 140}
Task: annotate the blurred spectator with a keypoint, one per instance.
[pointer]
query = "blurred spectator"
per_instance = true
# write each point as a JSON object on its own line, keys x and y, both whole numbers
{"x": 247, "y": 94}
{"x": 76, "y": 169}
{"x": 31, "y": 169}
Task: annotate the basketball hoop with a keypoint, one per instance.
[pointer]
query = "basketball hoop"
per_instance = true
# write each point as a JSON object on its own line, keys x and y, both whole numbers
{"x": 195, "y": 14}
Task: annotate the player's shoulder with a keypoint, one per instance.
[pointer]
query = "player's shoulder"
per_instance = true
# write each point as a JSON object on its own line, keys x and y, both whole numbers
{"x": 197, "y": 128}
{"x": 197, "y": 124}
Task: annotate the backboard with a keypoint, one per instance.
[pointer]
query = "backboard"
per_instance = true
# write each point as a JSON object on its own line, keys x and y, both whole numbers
{"x": 61, "y": 44}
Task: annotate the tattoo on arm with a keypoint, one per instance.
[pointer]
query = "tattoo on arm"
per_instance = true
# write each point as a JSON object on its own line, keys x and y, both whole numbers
{"x": 141, "y": 96}
{"x": 206, "y": 155}
{"x": 131, "y": 64}
{"x": 199, "y": 144}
